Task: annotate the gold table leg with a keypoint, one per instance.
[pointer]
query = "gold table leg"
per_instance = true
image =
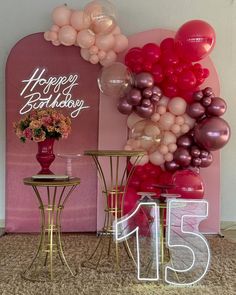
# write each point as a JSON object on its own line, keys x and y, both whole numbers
{"x": 50, "y": 236}
{"x": 114, "y": 210}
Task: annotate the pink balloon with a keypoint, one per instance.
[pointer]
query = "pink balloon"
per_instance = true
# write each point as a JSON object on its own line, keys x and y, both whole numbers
{"x": 166, "y": 121}
{"x": 93, "y": 50}
{"x": 67, "y": 35}
{"x": 132, "y": 120}
{"x": 80, "y": 20}
{"x": 54, "y": 28}
{"x": 168, "y": 138}
{"x": 101, "y": 54}
{"x": 56, "y": 43}
{"x": 84, "y": 52}
{"x": 53, "y": 36}
{"x": 109, "y": 59}
{"x": 177, "y": 106}
{"x": 94, "y": 59}
{"x": 105, "y": 42}
{"x": 195, "y": 40}
{"x": 156, "y": 158}
{"x": 61, "y": 15}
{"x": 47, "y": 36}
{"x": 116, "y": 31}
{"x": 85, "y": 38}
{"x": 121, "y": 43}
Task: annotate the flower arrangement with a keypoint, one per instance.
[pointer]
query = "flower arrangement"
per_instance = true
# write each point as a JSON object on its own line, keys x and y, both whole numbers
{"x": 41, "y": 124}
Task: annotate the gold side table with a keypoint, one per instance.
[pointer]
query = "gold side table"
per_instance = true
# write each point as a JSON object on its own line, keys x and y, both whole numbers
{"x": 114, "y": 188}
{"x": 51, "y": 206}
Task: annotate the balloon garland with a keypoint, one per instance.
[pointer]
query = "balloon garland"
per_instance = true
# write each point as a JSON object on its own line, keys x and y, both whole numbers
{"x": 93, "y": 29}
{"x": 176, "y": 122}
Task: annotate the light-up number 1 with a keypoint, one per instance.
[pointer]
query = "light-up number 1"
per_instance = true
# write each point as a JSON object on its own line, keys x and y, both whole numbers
{"x": 189, "y": 253}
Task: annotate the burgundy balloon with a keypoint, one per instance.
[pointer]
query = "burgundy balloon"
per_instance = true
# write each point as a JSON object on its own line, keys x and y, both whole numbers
{"x": 208, "y": 91}
{"x": 217, "y": 107}
{"x": 212, "y": 133}
{"x": 157, "y": 91}
{"x": 195, "y": 152}
{"x": 206, "y": 161}
{"x": 187, "y": 80}
{"x": 147, "y": 92}
{"x": 171, "y": 166}
{"x": 124, "y": 107}
{"x": 196, "y": 162}
{"x": 182, "y": 157}
{"x": 184, "y": 141}
{"x": 195, "y": 110}
{"x": 144, "y": 112}
{"x": 146, "y": 102}
{"x": 204, "y": 154}
{"x": 155, "y": 98}
{"x": 134, "y": 97}
{"x": 144, "y": 80}
{"x": 206, "y": 101}
{"x": 198, "y": 95}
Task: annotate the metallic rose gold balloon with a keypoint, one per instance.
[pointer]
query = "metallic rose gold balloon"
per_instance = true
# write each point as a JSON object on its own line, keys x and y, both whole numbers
{"x": 144, "y": 80}
{"x": 196, "y": 162}
{"x": 184, "y": 141}
{"x": 124, "y": 107}
{"x": 217, "y": 107}
{"x": 212, "y": 133}
{"x": 134, "y": 97}
{"x": 144, "y": 112}
{"x": 147, "y": 92}
{"x": 198, "y": 95}
{"x": 182, "y": 157}
{"x": 206, "y": 161}
{"x": 171, "y": 166}
{"x": 195, "y": 110}
{"x": 195, "y": 151}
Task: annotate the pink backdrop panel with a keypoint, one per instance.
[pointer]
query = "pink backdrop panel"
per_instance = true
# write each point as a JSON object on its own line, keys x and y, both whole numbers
{"x": 113, "y": 135}
{"x": 30, "y": 53}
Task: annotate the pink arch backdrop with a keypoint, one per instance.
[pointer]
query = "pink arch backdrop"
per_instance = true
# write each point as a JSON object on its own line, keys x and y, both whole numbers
{"x": 103, "y": 129}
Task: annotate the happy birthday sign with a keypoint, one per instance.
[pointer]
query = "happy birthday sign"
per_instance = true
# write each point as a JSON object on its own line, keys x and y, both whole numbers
{"x": 52, "y": 92}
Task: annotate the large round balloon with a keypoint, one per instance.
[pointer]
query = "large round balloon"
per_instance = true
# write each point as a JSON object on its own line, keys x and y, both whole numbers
{"x": 195, "y": 40}
{"x": 115, "y": 80}
{"x": 212, "y": 133}
{"x": 188, "y": 184}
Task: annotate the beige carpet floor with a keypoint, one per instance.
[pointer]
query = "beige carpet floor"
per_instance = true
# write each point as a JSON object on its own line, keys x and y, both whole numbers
{"x": 17, "y": 251}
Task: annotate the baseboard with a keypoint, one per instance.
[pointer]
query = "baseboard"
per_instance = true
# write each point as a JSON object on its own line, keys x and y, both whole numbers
{"x": 228, "y": 225}
{"x": 2, "y": 223}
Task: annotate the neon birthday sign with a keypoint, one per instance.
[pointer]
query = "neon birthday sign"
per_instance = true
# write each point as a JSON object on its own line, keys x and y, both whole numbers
{"x": 55, "y": 92}
{"x": 189, "y": 253}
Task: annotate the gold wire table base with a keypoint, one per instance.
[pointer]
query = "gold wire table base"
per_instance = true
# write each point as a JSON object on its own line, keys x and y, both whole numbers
{"x": 114, "y": 188}
{"x": 44, "y": 266}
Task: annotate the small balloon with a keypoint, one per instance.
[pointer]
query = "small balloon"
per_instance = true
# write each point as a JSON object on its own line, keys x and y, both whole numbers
{"x": 134, "y": 97}
{"x": 144, "y": 80}
{"x": 124, "y": 107}
{"x": 196, "y": 110}
{"x": 217, "y": 107}
{"x": 144, "y": 112}
{"x": 182, "y": 157}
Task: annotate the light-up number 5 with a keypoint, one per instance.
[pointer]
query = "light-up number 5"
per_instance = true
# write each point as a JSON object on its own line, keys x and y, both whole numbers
{"x": 189, "y": 253}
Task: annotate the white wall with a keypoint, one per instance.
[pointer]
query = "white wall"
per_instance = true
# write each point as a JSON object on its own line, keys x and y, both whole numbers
{"x": 21, "y": 18}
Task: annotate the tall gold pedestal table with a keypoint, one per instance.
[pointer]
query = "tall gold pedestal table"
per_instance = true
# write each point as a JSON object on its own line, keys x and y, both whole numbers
{"x": 57, "y": 192}
{"x": 108, "y": 251}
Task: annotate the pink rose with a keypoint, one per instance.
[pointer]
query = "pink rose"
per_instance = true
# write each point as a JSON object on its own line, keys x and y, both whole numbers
{"x": 28, "y": 133}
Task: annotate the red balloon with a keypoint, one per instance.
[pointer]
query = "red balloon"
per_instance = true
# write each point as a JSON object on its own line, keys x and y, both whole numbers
{"x": 165, "y": 178}
{"x": 134, "y": 57}
{"x": 134, "y": 182}
{"x": 157, "y": 73}
{"x": 188, "y": 184}
{"x": 147, "y": 185}
{"x": 169, "y": 89}
{"x": 195, "y": 40}
{"x": 169, "y": 58}
{"x": 167, "y": 44}
{"x": 130, "y": 200}
{"x": 187, "y": 80}
{"x": 151, "y": 52}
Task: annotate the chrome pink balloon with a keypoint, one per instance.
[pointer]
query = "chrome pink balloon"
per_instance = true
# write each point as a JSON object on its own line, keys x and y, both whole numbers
{"x": 144, "y": 80}
{"x": 182, "y": 157}
{"x": 217, "y": 107}
{"x": 195, "y": 110}
{"x": 212, "y": 133}
{"x": 124, "y": 107}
